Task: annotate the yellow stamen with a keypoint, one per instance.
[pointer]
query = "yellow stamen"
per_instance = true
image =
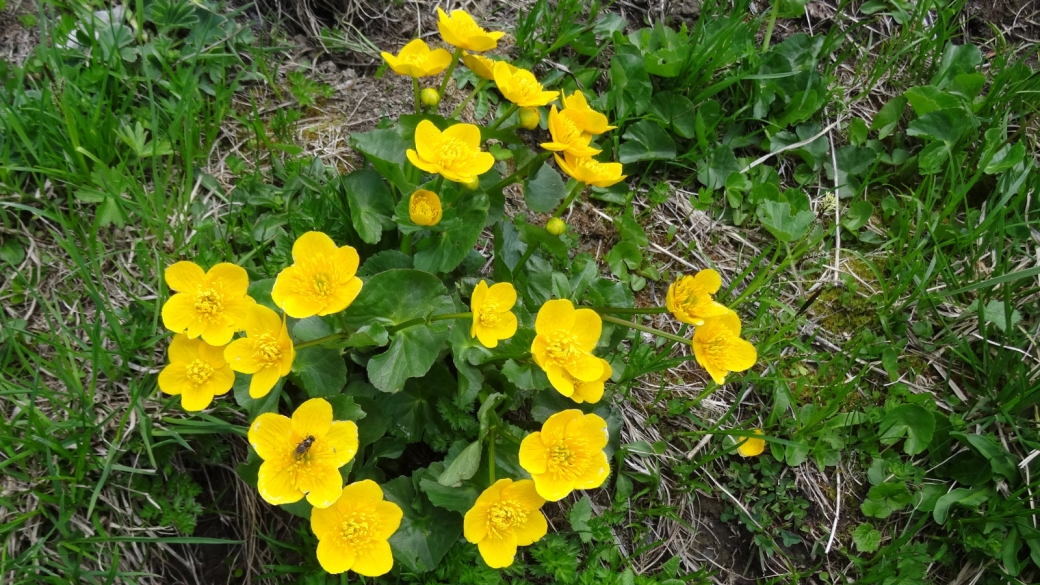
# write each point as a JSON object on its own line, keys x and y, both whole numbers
{"x": 357, "y": 529}
{"x": 505, "y": 516}
{"x": 198, "y": 372}
{"x": 489, "y": 315}
{"x": 209, "y": 303}
{"x": 267, "y": 350}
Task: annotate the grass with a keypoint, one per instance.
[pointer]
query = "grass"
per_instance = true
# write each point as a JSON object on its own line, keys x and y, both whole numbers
{"x": 917, "y": 319}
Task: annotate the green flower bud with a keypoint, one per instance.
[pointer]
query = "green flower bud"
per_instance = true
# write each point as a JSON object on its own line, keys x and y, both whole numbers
{"x": 473, "y": 185}
{"x": 556, "y": 226}
{"x": 529, "y": 118}
{"x": 429, "y": 97}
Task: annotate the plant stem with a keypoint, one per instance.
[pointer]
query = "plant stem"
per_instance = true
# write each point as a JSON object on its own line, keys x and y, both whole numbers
{"x": 322, "y": 340}
{"x": 469, "y": 98}
{"x": 491, "y": 455}
{"x": 438, "y": 185}
{"x": 415, "y": 88}
{"x": 447, "y": 316}
{"x": 645, "y": 329}
{"x": 406, "y": 243}
{"x": 512, "y": 177}
{"x": 575, "y": 191}
{"x": 635, "y": 311}
{"x": 523, "y": 259}
{"x": 770, "y": 25}
{"x": 509, "y": 112}
{"x": 451, "y": 69}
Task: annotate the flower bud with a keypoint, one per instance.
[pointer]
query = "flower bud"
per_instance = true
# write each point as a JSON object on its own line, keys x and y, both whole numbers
{"x": 424, "y": 208}
{"x": 556, "y": 226}
{"x": 473, "y": 185}
{"x": 429, "y": 97}
{"x": 529, "y": 118}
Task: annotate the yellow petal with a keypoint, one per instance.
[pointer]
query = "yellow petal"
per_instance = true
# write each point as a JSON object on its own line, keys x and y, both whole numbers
{"x": 571, "y": 172}
{"x": 173, "y": 379}
{"x": 587, "y": 327}
{"x": 484, "y": 335}
{"x": 504, "y": 329}
{"x": 555, "y": 315}
{"x": 493, "y": 493}
{"x": 482, "y": 163}
{"x": 551, "y": 487}
{"x": 363, "y": 494}
{"x": 468, "y": 134}
{"x": 592, "y": 429}
{"x": 211, "y": 354}
{"x": 342, "y": 297}
{"x": 437, "y": 62}
{"x": 554, "y": 429}
{"x": 534, "y": 456}
{"x": 474, "y": 525}
{"x": 751, "y": 446}
{"x": 270, "y": 436}
{"x": 275, "y": 484}
{"x": 262, "y": 382}
{"x": 218, "y": 331}
{"x": 184, "y": 276}
{"x": 587, "y": 368}
{"x": 533, "y": 530}
{"x": 239, "y": 355}
{"x": 342, "y": 440}
{"x": 322, "y": 484}
{"x": 389, "y": 515}
{"x": 708, "y": 280}
{"x": 498, "y": 553}
{"x": 347, "y": 260}
{"x": 421, "y": 164}
{"x": 231, "y": 278}
{"x": 178, "y": 314}
{"x": 523, "y": 491}
{"x": 195, "y": 398}
{"x": 374, "y": 560}
{"x": 427, "y": 142}
{"x": 334, "y": 557}
{"x": 503, "y": 294}
{"x": 325, "y": 521}
{"x": 312, "y": 245}
{"x": 596, "y": 473}
{"x": 730, "y": 321}
{"x": 741, "y": 355}
{"x": 183, "y": 349}
{"x": 220, "y": 381}
{"x": 415, "y": 48}
{"x": 479, "y": 296}
{"x": 560, "y": 380}
{"x": 312, "y": 418}
{"x": 260, "y": 320}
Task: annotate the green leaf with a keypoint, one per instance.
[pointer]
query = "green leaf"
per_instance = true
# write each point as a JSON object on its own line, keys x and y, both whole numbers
{"x": 345, "y": 408}
{"x": 457, "y": 499}
{"x": 969, "y": 498}
{"x": 411, "y": 414}
{"x": 866, "y": 538}
{"x": 630, "y": 84}
{"x": 678, "y": 112}
{"x": 444, "y": 251}
{"x": 258, "y": 406}
{"x": 888, "y": 116}
{"x": 260, "y": 291}
{"x": 858, "y": 215}
{"x": 463, "y": 467}
{"x": 946, "y": 125}
{"x": 371, "y": 204}
{"x": 646, "y": 140}
{"x": 544, "y": 190}
{"x": 782, "y": 223}
{"x": 999, "y": 459}
{"x": 886, "y": 498}
{"x": 532, "y": 235}
{"x": 322, "y": 372}
{"x": 858, "y": 131}
{"x": 1006, "y": 158}
{"x": 957, "y": 60}
{"x": 579, "y": 517}
{"x": 927, "y": 98}
{"x": 995, "y": 313}
{"x": 385, "y": 149}
{"x": 383, "y": 261}
{"x": 713, "y": 171}
{"x": 911, "y": 421}
{"x": 426, "y": 532}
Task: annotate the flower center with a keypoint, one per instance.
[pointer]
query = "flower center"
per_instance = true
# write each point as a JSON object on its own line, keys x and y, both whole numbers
{"x": 322, "y": 286}
{"x": 505, "y": 516}
{"x": 198, "y": 372}
{"x": 414, "y": 59}
{"x": 489, "y": 316}
{"x": 267, "y": 350}
{"x": 209, "y": 303}
{"x": 568, "y": 460}
{"x": 358, "y": 529}
{"x": 594, "y": 167}
{"x": 562, "y": 347}
{"x": 466, "y": 28}
{"x": 453, "y": 151}
{"x": 717, "y": 347}
{"x": 423, "y": 208}
{"x": 525, "y": 84}
{"x": 569, "y": 131}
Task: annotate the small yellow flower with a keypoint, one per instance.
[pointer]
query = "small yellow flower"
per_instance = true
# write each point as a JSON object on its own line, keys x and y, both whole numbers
{"x": 417, "y": 60}
{"x": 567, "y": 135}
{"x": 689, "y": 297}
{"x": 593, "y": 122}
{"x": 590, "y": 171}
{"x": 302, "y": 455}
{"x": 454, "y": 154}
{"x": 322, "y": 280}
{"x": 590, "y": 392}
{"x": 492, "y": 308}
{"x": 483, "y": 67}
{"x": 424, "y": 208}
{"x": 197, "y": 372}
{"x": 520, "y": 86}
{"x": 266, "y": 351}
{"x": 353, "y": 532}
{"x": 211, "y": 305}
{"x": 567, "y": 454}
{"x": 751, "y": 446}
{"x": 720, "y": 350}
{"x": 563, "y": 344}
{"x": 460, "y": 30}
{"x": 505, "y": 516}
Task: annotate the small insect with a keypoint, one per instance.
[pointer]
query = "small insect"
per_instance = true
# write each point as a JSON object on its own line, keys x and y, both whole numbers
{"x": 304, "y": 445}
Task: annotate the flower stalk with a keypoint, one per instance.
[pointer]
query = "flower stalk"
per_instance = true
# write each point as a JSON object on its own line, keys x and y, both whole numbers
{"x": 451, "y": 69}
{"x": 458, "y": 109}
{"x": 509, "y": 112}
{"x": 645, "y": 329}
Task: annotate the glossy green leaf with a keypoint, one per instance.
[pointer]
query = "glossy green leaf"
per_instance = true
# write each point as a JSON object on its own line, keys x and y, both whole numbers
{"x": 646, "y": 140}
{"x": 426, "y": 532}
{"x": 785, "y": 225}
{"x": 910, "y": 421}
{"x": 444, "y": 251}
{"x": 544, "y": 191}
{"x": 371, "y": 203}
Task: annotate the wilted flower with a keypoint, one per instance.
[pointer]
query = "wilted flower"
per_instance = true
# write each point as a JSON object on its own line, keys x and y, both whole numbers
{"x": 266, "y": 351}
{"x": 567, "y": 135}
{"x": 197, "y": 372}
{"x": 460, "y": 30}
{"x": 563, "y": 344}
{"x": 505, "y": 516}
{"x": 590, "y": 171}
{"x": 424, "y": 208}
{"x": 592, "y": 121}
{"x": 455, "y": 153}
{"x": 720, "y": 350}
{"x": 211, "y": 305}
{"x": 353, "y": 532}
{"x": 492, "y": 307}
{"x": 689, "y": 297}
{"x": 417, "y": 60}
{"x": 567, "y": 454}
{"x": 322, "y": 280}
{"x": 520, "y": 86}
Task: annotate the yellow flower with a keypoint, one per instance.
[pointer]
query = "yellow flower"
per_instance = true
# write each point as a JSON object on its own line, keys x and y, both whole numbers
{"x": 751, "y": 446}
{"x": 266, "y": 351}
{"x": 520, "y": 86}
{"x": 689, "y": 297}
{"x": 322, "y": 279}
{"x": 454, "y": 154}
{"x": 197, "y": 372}
{"x": 720, "y": 350}
{"x": 567, "y": 454}
{"x": 593, "y": 122}
{"x": 417, "y": 60}
{"x": 211, "y": 305}
{"x": 563, "y": 344}
{"x": 590, "y": 392}
{"x": 353, "y": 532}
{"x": 493, "y": 318}
{"x": 302, "y": 455}
{"x": 505, "y": 516}
{"x": 424, "y": 208}
{"x": 460, "y": 30}
{"x": 483, "y": 67}
{"x": 567, "y": 135}
{"x": 590, "y": 171}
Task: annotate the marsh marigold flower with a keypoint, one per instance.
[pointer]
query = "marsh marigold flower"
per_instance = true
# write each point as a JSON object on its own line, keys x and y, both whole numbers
{"x": 211, "y": 305}
{"x": 483, "y": 67}
{"x": 505, "y": 516}
{"x": 751, "y": 446}
{"x": 520, "y": 86}
{"x": 591, "y": 121}
{"x": 567, "y": 454}
{"x": 460, "y": 30}
{"x": 689, "y": 297}
{"x": 417, "y": 60}
{"x": 493, "y": 317}
{"x": 720, "y": 350}
{"x": 197, "y": 372}
{"x": 563, "y": 344}
{"x": 302, "y": 455}
{"x": 353, "y": 532}
{"x": 454, "y": 154}
{"x": 322, "y": 280}
{"x": 266, "y": 351}
{"x": 590, "y": 392}
{"x": 567, "y": 135}
{"x": 424, "y": 208}
{"x": 590, "y": 171}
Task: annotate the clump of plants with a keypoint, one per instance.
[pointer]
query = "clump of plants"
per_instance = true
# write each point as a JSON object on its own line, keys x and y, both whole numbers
{"x": 427, "y": 400}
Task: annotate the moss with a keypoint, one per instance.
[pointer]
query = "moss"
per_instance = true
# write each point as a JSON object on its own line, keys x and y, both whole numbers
{"x": 841, "y": 310}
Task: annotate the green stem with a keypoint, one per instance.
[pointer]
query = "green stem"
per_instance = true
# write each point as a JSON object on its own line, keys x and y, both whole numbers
{"x": 538, "y": 160}
{"x": 491, "y": 455}
{"x": 645, "y": 329}
{"x": 415, "y": 88}
{"x": 438, "y": 185}
{"x": 406, "y": 243}
{"x": 322, "y": 340}
{"x": 635, "y": 311}
{"x": 451, "y": 69}
{"x": 575, "y": 191}
{"x": 458, "y": 109}
{"x": 769, "y": 27}
{"x": 523, "y": 259}
{"x": 447, "y": 316}
{"x": 509, "y": 112}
